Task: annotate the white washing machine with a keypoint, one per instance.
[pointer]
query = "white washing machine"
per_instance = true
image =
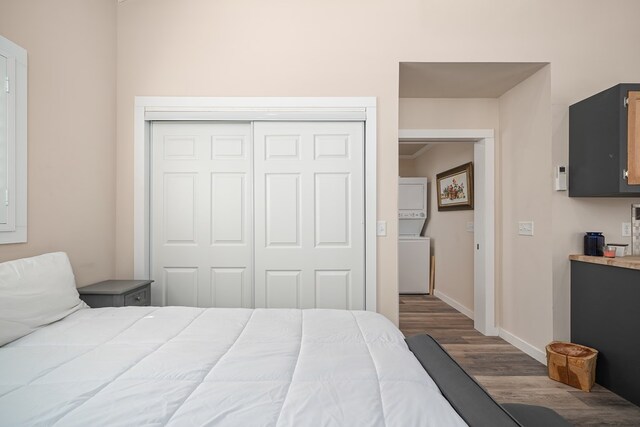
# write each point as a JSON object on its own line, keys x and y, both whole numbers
{"x": 414, "y": 256}
{"x": 414, "y": 250}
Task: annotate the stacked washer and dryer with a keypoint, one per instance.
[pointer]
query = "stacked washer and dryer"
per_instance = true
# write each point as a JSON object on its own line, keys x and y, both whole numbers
{"x": 414, "y": 250}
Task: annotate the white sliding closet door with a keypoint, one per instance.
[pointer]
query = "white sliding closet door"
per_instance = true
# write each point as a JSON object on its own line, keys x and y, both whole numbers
{"x": 309, "y": 214}
{"x": 201, "y": 214}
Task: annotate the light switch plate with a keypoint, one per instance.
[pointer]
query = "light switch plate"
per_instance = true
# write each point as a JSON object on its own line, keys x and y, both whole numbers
{"x": 626, "y": 229}
{"x": 525, "y": 228}
{"x": 381, "y": 228}
{"x": 470, "y": 227}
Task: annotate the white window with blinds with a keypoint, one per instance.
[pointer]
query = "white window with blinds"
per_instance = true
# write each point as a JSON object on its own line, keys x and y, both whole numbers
{"x": 13, "y": 142}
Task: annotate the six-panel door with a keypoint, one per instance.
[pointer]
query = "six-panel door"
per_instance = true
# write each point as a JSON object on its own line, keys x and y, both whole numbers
{"x": 309, "y": 215}
{"x": 202, "y": 232}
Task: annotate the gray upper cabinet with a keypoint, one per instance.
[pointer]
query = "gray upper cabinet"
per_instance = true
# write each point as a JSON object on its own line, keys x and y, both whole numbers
{"x": 604, "y": 144}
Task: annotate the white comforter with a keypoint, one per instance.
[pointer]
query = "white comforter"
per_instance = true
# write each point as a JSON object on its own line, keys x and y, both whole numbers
{"x": 239, "y": 367}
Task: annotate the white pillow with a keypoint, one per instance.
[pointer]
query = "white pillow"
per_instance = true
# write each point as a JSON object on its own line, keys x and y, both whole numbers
{"x": 35, "y": 292}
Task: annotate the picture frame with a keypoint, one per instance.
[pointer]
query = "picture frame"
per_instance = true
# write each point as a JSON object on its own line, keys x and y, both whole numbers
{"x": 455, "y": 188}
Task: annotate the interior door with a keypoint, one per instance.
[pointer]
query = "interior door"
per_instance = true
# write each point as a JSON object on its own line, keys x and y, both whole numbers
{"x": 309, "y": 215}
{"x": 201, "y": 208}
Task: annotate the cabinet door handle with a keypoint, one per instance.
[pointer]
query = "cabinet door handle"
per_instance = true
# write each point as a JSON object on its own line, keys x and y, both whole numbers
{"x": 138, "y": 298}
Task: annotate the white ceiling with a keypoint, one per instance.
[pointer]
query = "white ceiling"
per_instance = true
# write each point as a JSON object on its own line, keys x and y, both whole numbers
{"x": 462, "y": 79}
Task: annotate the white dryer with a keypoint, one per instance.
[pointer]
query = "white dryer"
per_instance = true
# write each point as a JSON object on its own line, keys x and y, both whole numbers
{"x": 412, "y": 205}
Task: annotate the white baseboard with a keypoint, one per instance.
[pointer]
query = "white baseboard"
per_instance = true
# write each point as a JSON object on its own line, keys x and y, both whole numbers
{"x": 453, "y": 303}
{"x": 524, "y": 346}
{"x": 521, "y": 345}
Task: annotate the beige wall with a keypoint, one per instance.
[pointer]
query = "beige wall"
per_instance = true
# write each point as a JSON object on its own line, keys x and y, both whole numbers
{"x": 449, "y": 113}
{"x": 71, "y": 48}
{"x": 407, "y": 167}
{"x": 451, "y": 244}
{"x": 525, "y": 261}
{"x": 290, "y": 48}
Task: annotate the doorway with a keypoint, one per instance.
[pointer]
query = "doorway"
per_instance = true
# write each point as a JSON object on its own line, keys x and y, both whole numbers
{"x": 483, "y": 215}
{"x": 456, "y": 99}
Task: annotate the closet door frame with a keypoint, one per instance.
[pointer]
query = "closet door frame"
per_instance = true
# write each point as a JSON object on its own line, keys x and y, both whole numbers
{"x": 150, "y": 109}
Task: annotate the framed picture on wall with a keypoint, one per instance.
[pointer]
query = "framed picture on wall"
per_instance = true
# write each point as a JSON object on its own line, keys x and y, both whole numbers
{"x": 455, "y": 188}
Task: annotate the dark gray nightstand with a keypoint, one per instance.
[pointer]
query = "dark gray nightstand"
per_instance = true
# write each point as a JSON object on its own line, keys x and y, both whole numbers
{"x": 117, "y": 293}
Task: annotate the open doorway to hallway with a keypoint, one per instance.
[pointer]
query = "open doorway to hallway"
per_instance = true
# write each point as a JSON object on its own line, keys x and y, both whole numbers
{"x": 450, "y": 233}
{"x": 472, "y": 185}
{"x": 438, "y": 101}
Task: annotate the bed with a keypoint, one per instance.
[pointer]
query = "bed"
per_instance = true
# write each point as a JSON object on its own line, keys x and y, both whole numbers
{"x": 195, "y": 366}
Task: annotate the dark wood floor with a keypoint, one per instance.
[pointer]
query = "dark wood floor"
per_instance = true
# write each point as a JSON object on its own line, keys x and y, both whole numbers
{"x": 507, "y": 373}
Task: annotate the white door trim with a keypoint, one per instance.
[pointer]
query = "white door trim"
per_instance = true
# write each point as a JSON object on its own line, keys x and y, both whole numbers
{"x": 484, "y": 212}
{"x": 149, "y": 108}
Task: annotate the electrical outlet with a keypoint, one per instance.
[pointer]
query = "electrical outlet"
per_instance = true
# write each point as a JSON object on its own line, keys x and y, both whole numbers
{"x": 381, "y": 228}
{"x": 525, "y": 228}
{"x": 626, "y": 229}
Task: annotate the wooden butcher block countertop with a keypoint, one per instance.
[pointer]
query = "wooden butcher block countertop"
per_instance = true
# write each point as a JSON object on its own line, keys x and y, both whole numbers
{"x": 632, "y": 262}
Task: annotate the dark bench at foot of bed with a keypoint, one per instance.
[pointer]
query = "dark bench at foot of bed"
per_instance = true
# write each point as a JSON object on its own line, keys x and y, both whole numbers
{"x": 469, "y": 399}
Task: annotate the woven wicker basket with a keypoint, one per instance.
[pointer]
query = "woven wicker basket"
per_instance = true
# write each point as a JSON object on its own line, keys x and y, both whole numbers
{"x": 572, "y": 364}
